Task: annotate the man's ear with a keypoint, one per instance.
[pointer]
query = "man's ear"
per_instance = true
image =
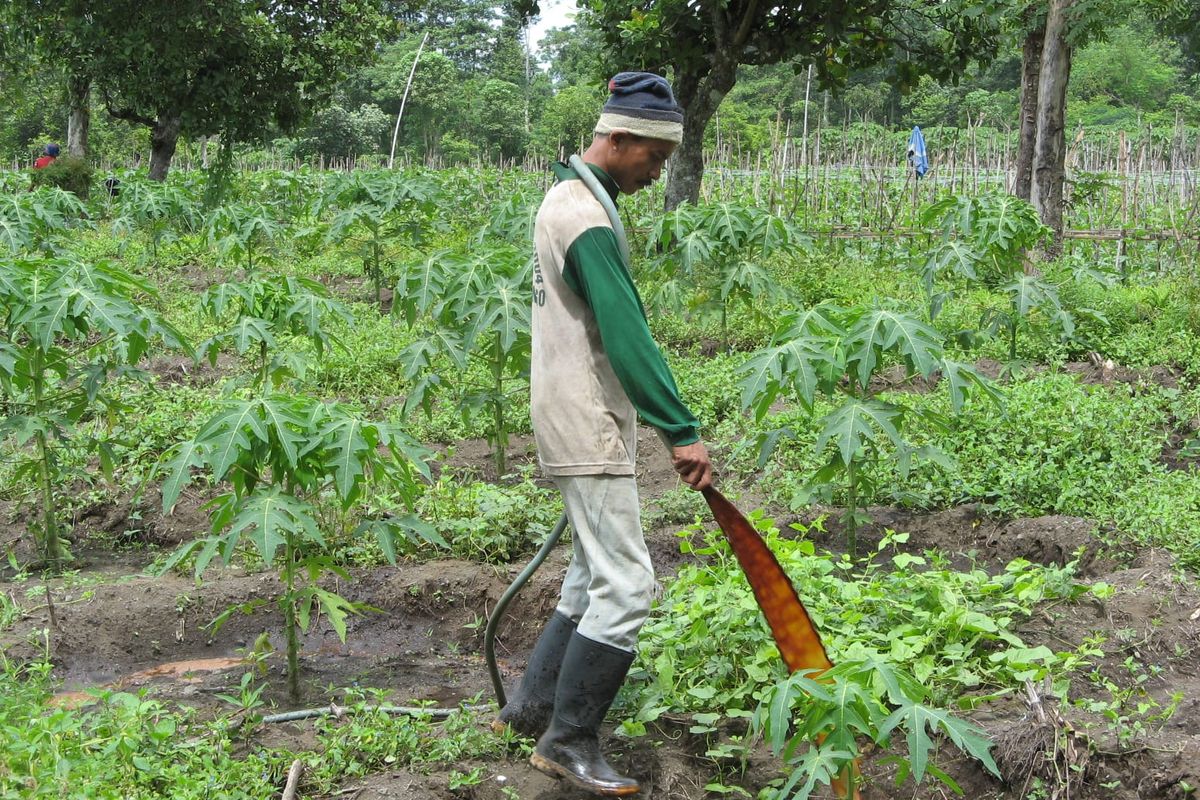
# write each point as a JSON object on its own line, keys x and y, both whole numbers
{"x": 618, "y": 138}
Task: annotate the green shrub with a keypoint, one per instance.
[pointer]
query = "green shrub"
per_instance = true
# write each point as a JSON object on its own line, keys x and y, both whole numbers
{"x": 1060, "y": 447}
{"x": 69, "y": 173}
{"x": 494, "y": 523}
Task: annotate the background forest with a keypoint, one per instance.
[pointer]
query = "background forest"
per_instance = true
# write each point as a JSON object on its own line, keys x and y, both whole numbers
{"x": 483, "y": 92}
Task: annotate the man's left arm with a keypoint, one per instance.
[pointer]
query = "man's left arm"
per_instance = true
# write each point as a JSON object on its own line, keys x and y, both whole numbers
{"x": 595, "y": 272}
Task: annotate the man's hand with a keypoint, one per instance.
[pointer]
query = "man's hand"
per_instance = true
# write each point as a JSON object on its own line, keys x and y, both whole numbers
{"x": 692, "y": 464}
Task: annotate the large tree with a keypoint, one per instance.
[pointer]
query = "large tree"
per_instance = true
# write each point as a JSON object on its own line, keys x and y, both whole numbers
{"x": 434, "y": 104}
{"x": 702, "y": 43}
{"x": 573, "y": 54}
{"x": 204, "y": 66}
{"x": 1050, "y": 141}
{"x": 462, "y": 30}
{"x": 1052, "y": 32}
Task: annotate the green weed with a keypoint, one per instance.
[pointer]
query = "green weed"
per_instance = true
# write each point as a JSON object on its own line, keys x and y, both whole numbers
{"x": 910, "y": 636}
{"x": 493, "y": 523}
{"x": 131, "y": 747}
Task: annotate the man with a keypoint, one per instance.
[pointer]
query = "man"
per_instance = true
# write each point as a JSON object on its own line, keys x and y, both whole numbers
{"x": 595, "y": 369}
{"x": 49, "y": 154}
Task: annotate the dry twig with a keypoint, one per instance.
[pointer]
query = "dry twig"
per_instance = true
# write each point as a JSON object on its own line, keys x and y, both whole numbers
{"x": 293, "y": 780}
{"x": 1052, "y": 752}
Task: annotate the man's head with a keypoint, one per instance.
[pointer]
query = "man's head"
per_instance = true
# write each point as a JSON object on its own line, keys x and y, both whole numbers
{"x": 639, "y": 127}
{"x": 52, "y": 150}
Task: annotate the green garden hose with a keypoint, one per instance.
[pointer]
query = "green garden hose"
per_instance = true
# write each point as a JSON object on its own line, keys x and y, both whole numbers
{"x": 610, "y": 208}
{"x": 489, "y": 633}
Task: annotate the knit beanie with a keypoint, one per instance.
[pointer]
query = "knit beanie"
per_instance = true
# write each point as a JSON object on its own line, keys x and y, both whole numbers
{"x": 643, "y": 104}
{"x": 52, "y": 150}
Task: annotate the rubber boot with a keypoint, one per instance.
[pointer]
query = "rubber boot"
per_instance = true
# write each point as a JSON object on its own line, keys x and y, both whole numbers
{"x": 592, "y": 673}
{"x": 528, "y": 710}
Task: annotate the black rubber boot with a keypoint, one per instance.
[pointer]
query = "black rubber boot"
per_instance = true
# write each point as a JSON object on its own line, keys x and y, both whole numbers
{"x": 528, "y": 710}
{"x": 592, "y": 673}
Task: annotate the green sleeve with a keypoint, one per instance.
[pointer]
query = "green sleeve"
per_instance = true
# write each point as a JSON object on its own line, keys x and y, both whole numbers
{"x": 594, "y": 271}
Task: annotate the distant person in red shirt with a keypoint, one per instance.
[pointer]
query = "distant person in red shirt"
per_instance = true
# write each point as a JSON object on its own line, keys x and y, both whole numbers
{"x": 47, "y": 159}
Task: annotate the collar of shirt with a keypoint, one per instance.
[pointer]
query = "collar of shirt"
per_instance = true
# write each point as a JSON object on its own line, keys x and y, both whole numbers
{"x": 564, "y": 173}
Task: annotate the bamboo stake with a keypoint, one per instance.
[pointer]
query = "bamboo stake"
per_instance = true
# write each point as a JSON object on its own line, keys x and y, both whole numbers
{"x": 404, "y": 99}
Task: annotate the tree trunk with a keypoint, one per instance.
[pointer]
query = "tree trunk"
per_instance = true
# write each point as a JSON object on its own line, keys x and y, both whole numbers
{"x": 700, "y": 96}
{"x": 163, "y": 137}
{"x": 1049, "y": 153}
{"x": 79, "y": 93}
{"x": 1031, "y": 70}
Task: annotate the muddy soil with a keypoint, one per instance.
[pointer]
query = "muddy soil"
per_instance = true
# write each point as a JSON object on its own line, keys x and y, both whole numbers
{"x": 179, "y": 370}
{"x": 118, "y": 628}
{"x": 973, "y": 538}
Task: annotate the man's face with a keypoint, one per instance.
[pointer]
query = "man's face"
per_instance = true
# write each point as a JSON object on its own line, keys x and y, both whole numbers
{"x": 637, "y": 161}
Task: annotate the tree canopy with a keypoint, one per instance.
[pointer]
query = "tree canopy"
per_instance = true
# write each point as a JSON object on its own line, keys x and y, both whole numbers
{"x": 204, "y": 66}
{"x": 702, "y": 43}
{"x": 268, "y": 73}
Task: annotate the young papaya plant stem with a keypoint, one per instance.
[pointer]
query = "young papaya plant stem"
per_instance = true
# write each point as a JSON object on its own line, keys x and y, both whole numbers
{"x": 289, "y": 617}
{"x": 845, "y": 783}
{"x": 76, "y": 353}
{"x": 725, "y": 324}
{"x": 50, "y": 543}
{"x": 498, "y": 405}
{"x": 262, "y": 369}
{"x": 376, "y": 260}
{"x": 852, "y": 509}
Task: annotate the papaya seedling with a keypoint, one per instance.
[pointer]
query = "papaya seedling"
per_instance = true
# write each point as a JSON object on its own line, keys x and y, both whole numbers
{"x": 833, "y": 352}
{"x": 476, "y": 306}
{"x": 985, "y": 241}
{"x": 160, "y": 211}
{"x": 866, "y": 699}
{"x": 241, "y": 230}
{"x": 282, "y": 455}
{"x": 29, "y": 221}
{"x": 72, "y": 328}
{"x": 713, "y": 256}
{"x": 262, "y": 310}
{"x": 512, "y": 219}
{"x": 373, "y": 209}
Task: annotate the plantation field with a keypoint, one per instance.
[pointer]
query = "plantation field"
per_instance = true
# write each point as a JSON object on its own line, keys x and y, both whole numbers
{"x": 266, "y": 448}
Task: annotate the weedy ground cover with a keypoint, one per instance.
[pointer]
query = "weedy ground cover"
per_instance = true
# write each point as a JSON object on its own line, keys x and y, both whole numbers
{"x": 1059, "y": 447}
{"x": 912, "y": 640}
{"x": 130, "y": 745}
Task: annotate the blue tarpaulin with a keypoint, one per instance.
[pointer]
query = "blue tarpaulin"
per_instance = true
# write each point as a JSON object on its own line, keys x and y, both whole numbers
{"x": 917, "y": 158}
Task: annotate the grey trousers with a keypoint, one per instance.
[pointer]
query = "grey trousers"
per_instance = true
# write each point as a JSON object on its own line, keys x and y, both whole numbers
{"x": 609, "y": 585}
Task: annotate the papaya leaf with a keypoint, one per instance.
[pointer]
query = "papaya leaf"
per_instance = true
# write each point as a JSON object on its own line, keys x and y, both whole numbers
{"x": 921, "y": 722}
{"x": 268, "y": 517}
{"x": 348, "y": 449}
{"x": 857, "y": 422}
{"x": 964, "y": 380}
{"x": 282, "y": 421}
{"x": 178, "y": 463}
{"x": 228, "y": 435}
{"x": 879, "y": 330}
